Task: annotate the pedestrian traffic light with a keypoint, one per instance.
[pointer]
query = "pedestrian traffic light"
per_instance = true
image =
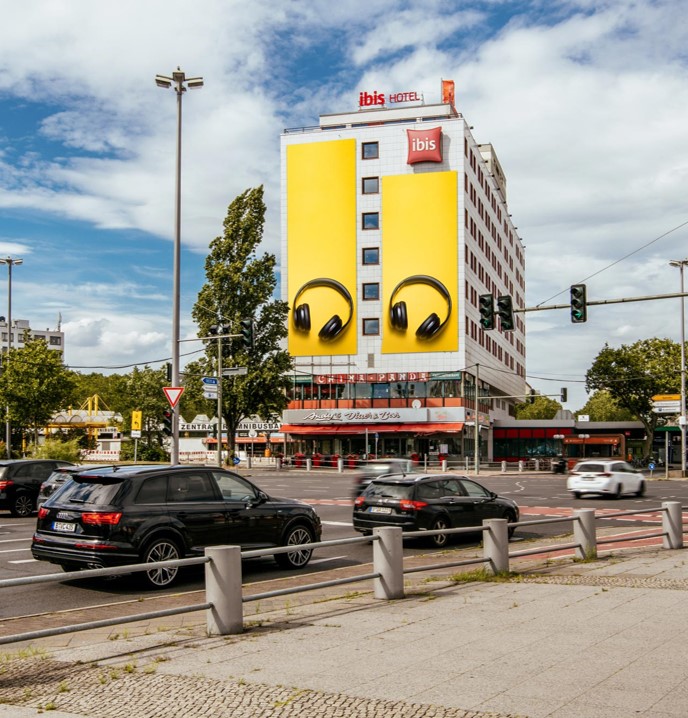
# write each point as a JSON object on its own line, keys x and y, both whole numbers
{"x": 247, "y": 332}
{"x": 579, "y": 306}
{"x": 167, "y": 422}
{"x": 487, "y": 314}
{"x": 505, "y": 310}
{"x": 564, "y": 394}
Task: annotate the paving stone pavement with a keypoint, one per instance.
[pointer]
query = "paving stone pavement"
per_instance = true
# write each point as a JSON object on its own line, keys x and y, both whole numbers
{"x": 600, "y": 639}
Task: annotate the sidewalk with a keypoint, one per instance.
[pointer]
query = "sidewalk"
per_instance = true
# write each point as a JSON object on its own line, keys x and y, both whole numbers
{"x": 604, "y": 639}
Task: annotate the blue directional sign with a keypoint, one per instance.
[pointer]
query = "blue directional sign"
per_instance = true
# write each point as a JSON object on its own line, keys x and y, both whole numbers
{"x": 211, "y": 380}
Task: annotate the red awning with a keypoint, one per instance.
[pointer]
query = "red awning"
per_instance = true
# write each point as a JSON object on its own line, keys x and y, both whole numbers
{"x": 415, "y": 428}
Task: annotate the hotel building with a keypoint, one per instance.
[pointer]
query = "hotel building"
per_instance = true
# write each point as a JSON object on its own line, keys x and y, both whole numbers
{"x": 394, "y": 222}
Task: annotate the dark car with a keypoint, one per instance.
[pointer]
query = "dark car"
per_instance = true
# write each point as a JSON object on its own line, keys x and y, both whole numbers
{"x": 20, "y": 482}
{"x": 430, "y": 502}
{"x": 370, "y": 470}
{"x": 140, "y": 514}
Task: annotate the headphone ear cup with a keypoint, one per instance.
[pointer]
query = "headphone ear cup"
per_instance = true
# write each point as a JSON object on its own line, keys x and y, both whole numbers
{"x": 302, "y": 317}
{"x": 429, "y": 327}
{"x": 398, "y": 316}
{"x": 331, "y": 329}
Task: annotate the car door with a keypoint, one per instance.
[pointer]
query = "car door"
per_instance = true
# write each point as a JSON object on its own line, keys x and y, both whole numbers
{"x": 194, "y": 504}
{"x": 250, "y": 520}
{"x": 480, "y": 503}
{"x": 455, "y": 502}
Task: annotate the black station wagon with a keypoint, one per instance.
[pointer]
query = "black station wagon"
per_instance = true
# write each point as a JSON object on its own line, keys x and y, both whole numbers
{"x": 144, "y": 514}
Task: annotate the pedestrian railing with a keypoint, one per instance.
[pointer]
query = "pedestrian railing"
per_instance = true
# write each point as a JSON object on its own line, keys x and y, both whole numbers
{"x": 223, "y": 571}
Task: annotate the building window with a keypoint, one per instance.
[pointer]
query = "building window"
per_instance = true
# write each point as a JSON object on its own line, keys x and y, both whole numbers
{"x": 370, "y": 150}
{"x": 371, "y": 185}
{"x": 55, "y": 341}
{"x": 371, "y": 327}
{"x": 371, "y": 291}
{"x": 371, "y": 255}
{"x": 371, "y": 220}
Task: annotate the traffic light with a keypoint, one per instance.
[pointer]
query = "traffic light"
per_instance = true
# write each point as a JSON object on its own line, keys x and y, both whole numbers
{"x": 531, "y": 396}
{"x": 487, "y": 315}
{"x": 168, "y": 372}
{"x": 564, "y": 394}
{"x": 579, "y": 306}
{"x": 167, "y": 422}
{"x": 505, "y": 310}
{"x": 247, "y": 332}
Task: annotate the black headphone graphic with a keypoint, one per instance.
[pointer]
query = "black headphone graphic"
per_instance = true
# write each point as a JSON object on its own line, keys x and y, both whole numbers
{"x": 334, "y": 326}
{"x": 432, "y": 325}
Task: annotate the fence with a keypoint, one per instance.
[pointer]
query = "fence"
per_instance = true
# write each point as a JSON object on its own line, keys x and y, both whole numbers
{"x": 223, "y": 575}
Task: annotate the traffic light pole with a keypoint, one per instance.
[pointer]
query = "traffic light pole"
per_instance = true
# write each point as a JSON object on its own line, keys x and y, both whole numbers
{"x": 622, "y": 300}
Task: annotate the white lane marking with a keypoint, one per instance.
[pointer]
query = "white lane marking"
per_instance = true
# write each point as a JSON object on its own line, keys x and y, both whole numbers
{"x": 325, "y": 560}
{"x": 14, "y": 550}
{"x": 28, "y": 538}
{"x": 336, "y": 523}
{"x": 25, "y": 560}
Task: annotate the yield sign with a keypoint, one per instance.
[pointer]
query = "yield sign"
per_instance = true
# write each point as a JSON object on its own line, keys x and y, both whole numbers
{"x": 173, "y": 393}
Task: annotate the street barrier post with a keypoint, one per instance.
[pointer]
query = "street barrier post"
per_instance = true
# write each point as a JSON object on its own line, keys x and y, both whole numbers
{"x": 309, "y": 464}
{"x": 444, "y": 465}
{"x": 223, "y": 590}
{"x": 672, "y": 524}
{"x": 504, "y": 467}
{"x": 388, "y": 562}
{"x": 496, "y": 545}
{"x": 584, "y": 533}
{"x": 340, "y": 465}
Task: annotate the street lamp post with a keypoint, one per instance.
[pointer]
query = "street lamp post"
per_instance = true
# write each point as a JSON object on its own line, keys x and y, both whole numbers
{"x": 10, "y": 262}
{"x": 681, "y": 263}
{"x": 180, "y": 82}
{"x": 221, "y": 331}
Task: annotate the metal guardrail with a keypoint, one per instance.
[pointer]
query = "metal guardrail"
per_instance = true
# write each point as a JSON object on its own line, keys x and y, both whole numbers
{"x": 223, "y": 574}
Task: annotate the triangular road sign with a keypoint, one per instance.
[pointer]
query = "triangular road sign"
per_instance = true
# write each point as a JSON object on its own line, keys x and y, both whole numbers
{"x": 173, "y": 393}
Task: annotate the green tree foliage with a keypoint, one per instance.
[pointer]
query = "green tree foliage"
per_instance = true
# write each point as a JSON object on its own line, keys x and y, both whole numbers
{"x": 634, "y": 373}
{"x": 601, "y": 406}
{"x": 240, "y": 285}
{"x": 111, "y": 390}
{"x": 145, "y": 394}
{"x": 34, "y": 384}
{"x": 61, "y": 450}
{"x": 542, "y": 408}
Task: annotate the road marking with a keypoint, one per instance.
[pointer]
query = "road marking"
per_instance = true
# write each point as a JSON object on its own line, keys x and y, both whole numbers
{"x": 337, "y": 523}
{"x": 28, "y": 538}
{"x": 325, "y": 560}
{"x": 25, "y": 560}
{"x": 14, "y": 550}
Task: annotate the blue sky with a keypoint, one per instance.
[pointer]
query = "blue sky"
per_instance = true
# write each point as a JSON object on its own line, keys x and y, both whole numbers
{"x": 584, "y": 101}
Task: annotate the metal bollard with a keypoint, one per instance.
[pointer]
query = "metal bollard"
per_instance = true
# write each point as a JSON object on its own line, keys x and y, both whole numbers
{"x": 340, "y": 465}
{"x": 537, "y": 464}
{"x": 520, "y": 466}
{"x": 672, "y": 524}
{"x": 496, "y": 545}
{"x": 249, "y": 462}
{"x": 444, "y": 465}
{"x": 278, "y": 463}
{"x": 309, "y": 464}
{"x": 504, "y": 467}
{"x": 223, "y": 590}
{"x": 388, "y": 561}
{"x": 584, "y": 533}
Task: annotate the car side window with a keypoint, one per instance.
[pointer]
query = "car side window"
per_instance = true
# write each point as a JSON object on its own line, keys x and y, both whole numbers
{"x": 430, "y": 490}
{"x": 190, "y": 486}
{"x": 152, "y": 491}
{"x": 475, "y": 490}
{"x": 450, "y": 487}
{"x": 619, "y": 467}
{"x": 233, "y": 487}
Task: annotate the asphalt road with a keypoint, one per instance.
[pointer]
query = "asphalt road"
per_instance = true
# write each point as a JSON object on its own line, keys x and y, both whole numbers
{"x": 539, "y": 496}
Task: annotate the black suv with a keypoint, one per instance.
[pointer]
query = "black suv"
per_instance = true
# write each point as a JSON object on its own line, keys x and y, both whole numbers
{"x": 20, "y": 482}
{"x": 430, "y": 502}
{"x": 141, "y": 514}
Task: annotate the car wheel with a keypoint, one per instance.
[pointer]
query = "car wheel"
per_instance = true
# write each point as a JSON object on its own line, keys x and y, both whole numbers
{"x": 439, "y": 540}
{"x": 576, "y": 494}
{"x": 22, "y": 505}
{"x": 617, "y": 493}
{"x": 641, "y": 489}
{"x": 296, "y": 536}
{"x": 161, "y": 549}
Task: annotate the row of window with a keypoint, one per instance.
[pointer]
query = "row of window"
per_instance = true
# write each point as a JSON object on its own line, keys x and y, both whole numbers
{"x": 19, "y": 339}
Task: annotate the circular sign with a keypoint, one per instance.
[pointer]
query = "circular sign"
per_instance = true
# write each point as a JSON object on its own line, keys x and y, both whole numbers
{"x": 236, "y": 460}
{"x": 253, "y": 433}
{"x": 651, "y": 465}
{"x": 416, "y": 404}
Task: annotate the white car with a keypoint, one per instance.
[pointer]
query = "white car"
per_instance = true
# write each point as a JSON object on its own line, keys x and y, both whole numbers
{"x": 606, "y": 478}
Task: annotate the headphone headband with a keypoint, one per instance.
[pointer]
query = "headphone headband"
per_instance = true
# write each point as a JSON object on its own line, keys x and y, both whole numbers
{"x": 430, "y": 281}
{"x": 332, "y": 284}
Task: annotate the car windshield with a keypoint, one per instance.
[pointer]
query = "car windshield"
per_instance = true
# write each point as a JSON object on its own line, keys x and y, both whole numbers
{"x": 591, "y": 468}
{"x": 388, "y": 491}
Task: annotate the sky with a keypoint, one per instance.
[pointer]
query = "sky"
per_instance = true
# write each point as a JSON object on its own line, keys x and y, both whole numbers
{"x": 584, "y": 101}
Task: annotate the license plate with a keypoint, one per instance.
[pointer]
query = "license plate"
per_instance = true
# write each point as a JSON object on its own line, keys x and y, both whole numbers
{"x": 380, "y": 510}
{"x": 62, "y": 526}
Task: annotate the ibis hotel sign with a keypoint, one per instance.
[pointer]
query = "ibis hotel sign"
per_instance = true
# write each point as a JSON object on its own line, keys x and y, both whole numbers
{"x": 379, "y": 99}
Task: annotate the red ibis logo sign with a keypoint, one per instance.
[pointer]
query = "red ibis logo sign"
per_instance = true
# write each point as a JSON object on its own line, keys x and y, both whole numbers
{"x": 424, "y": 145}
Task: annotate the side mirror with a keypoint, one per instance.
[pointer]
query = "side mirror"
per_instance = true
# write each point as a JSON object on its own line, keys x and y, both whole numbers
{"x": 257, "y": 500}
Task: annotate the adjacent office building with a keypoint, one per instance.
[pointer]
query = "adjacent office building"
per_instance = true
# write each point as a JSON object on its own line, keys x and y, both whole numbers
{"x": 394, "y": 222}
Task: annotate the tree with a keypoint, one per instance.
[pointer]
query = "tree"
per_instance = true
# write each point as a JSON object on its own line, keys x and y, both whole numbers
{"x": 144, "y": 389}
{"x": 601, "y": 406}
{"x": 542, "y": 408}
{"x": 633, "y": 374}
{"x": 34, "y": 384}
{"x": 240, "y": 285}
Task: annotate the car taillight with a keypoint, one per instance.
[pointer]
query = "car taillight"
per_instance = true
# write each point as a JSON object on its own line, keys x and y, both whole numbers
{"x": 6, "y": 484}
{"x": 358, "y": 501}
{"x": 42, "y": 512}
{"x": 408, "y": 505}
{"x": 606, "y": 474}
{"x": 98, "y": 518}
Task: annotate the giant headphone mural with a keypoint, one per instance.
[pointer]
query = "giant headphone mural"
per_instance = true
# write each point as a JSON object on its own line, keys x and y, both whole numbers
{"x": 430, "y": 326}
{"x": 334, "y": 326}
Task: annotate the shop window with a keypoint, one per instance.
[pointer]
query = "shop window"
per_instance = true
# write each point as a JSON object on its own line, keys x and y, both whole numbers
{"x": 371, "y": 185}
{"x": 371, "y": 255}
{"x": 371, "y": 291}
{"x": 370, "y": 150}
{"x": 370, "y": 220}
{"x": 371, "y": 327}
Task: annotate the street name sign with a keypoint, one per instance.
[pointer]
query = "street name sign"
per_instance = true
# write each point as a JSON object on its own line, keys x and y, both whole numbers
{"x": 235, "y": 371}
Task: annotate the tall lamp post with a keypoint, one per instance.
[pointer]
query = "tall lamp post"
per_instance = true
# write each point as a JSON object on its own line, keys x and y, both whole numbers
{"x": 221, "y": 331}
{"x": 10, "y": 262}
{"x": 180, "y": 82}
{"x": 681, "y": 263}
